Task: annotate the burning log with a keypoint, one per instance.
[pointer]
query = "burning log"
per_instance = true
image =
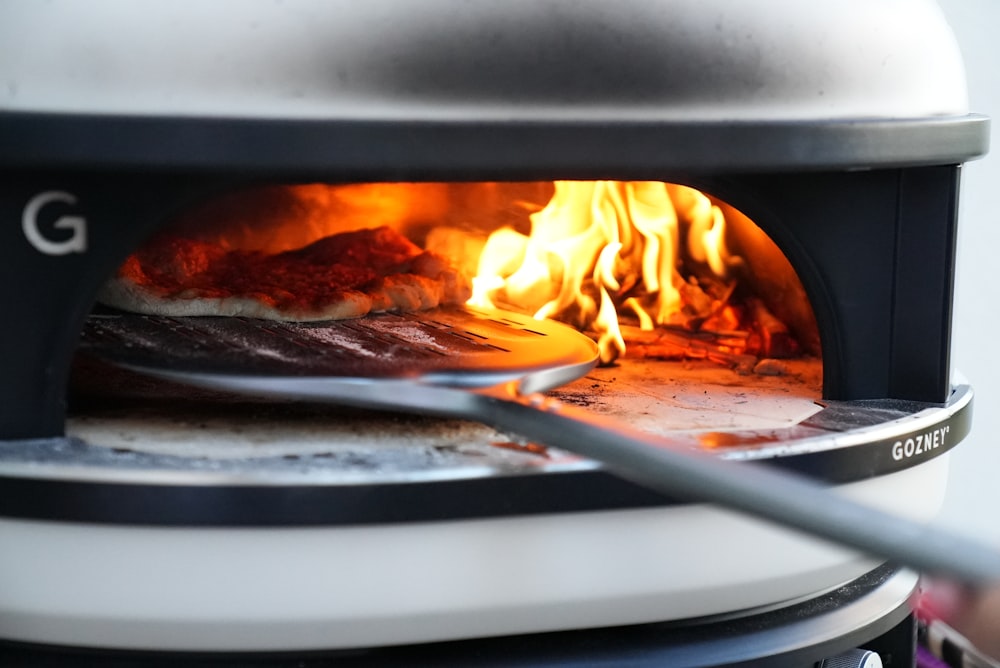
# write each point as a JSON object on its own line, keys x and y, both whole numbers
{"x": 754, "y": 350}
{"x": 775, "y": 338}
{"x": 671, "y": 343}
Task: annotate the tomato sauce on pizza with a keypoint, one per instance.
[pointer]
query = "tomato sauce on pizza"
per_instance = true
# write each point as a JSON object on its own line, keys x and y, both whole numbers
{"x": 339, "y": 276}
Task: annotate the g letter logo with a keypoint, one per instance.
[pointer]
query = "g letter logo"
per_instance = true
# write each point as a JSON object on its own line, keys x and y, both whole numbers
{"x": 77, "y": 241}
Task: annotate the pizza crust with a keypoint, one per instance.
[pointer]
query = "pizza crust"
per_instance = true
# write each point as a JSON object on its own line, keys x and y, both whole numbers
{"x": 122, "y": 294}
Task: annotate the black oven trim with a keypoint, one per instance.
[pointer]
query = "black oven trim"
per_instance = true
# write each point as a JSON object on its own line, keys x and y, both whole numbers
{"x": 380, "y": 150}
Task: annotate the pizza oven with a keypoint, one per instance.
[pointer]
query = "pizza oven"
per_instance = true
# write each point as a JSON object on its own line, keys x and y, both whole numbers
{"x": 149, "y": 515}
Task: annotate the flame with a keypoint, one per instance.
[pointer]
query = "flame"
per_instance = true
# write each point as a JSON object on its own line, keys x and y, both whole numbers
{"x": 599, "y": 246}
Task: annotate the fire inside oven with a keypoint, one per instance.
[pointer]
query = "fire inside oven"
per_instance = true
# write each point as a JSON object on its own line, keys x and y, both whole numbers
{"x": 672, "y": 283}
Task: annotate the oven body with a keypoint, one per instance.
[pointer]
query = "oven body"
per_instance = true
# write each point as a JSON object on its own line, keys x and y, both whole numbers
{"x": 842, "y": 138}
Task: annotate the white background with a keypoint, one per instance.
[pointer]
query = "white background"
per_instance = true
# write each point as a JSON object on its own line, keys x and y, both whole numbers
{"x": 973, "y": 503}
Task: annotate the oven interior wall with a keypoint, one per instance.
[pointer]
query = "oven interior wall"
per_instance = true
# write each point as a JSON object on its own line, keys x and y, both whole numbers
{"x": 874, "y": 250}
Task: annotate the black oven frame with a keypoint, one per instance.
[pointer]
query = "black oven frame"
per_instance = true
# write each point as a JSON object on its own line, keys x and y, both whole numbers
{"x": 865, "y": 210}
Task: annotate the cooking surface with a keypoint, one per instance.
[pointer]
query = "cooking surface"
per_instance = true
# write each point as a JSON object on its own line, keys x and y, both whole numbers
{"x": 131, "y": 428}
{"x": 664, "y": 398}
{"x": 178, "y": 421}
{"x": 776, "y": 411}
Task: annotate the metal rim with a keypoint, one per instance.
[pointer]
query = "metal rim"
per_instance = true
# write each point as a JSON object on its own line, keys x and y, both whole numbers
{"x": 66, "y": 479}
{"x": 422, "y": 150}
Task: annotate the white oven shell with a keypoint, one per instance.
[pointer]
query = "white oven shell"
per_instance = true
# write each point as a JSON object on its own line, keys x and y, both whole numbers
{"x": 586, "y": 60}
{"x": 227, "y": 589}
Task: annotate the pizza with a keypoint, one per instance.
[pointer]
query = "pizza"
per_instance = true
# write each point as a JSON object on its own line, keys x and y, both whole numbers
{"x": 341, "y": 276}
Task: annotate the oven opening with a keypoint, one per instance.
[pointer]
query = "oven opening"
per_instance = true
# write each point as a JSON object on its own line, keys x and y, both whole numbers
{"x": 701, "y": 321}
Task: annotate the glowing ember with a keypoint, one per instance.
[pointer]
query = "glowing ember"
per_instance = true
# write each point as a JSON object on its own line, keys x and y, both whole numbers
{"x": 600, "y": 246}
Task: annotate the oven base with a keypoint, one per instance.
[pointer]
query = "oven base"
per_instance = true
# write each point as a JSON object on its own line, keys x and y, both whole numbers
{"x": 870, "y": 612}
{"x": 278, "y": 589}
